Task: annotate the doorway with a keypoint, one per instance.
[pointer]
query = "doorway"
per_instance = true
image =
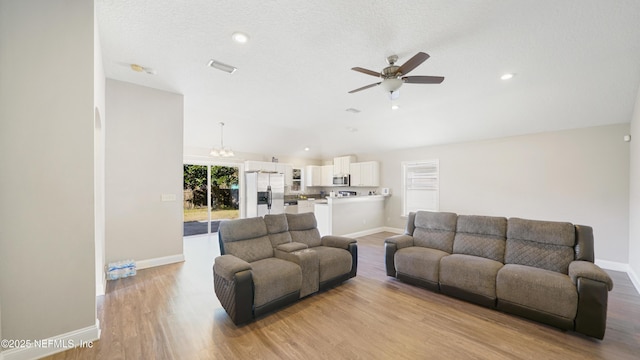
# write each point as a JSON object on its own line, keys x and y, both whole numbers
{"x": 211, "y": 194}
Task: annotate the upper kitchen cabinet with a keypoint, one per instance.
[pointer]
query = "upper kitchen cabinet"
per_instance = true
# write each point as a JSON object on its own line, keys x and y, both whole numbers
{"x": 250, "y": 166}
{"x": 327, "y": 175}
{"x": 342, "y": 164}
{"x": 313, "y": 175}
{"x": 365, "y": 174}
{"x": 296, "y": 180}
{"x": 286, "y": 169}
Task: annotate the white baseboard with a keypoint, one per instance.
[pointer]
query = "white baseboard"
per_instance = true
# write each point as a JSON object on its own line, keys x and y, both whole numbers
{"x": 612, "y": 265}
{"x": 374, "y": 231}
{"x": 617, "y": 266}
{"x": 393, "y": 230}
{"x": 635, "y": 279}
{"x": 56, "y": 344}
{"x": 364, "y": 232}
{"x": 165, "y": 260}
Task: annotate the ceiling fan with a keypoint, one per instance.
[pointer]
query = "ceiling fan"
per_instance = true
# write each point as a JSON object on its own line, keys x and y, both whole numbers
{"x": 393, "y": 75}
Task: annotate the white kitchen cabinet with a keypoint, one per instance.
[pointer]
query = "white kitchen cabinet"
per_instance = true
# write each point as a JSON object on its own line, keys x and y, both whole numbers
{"x": 365, "y": 174}
{"x": 327, "y": 175}
{"x": 342, "y": 164}
{"x": 297, "y": 178}
{"x": 305, "y": 206}
{"x": 313, "y": 175}
{"x": 252, "y": 165}
{"x": 287, "y": 170}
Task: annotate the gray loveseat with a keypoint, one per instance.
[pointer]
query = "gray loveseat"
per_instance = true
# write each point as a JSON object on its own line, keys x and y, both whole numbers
{"x": 269, "y": 262}
{"x": 540, "y": 270}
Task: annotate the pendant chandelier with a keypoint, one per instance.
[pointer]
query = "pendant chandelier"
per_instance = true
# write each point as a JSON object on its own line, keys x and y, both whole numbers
{"x": 221, "y": 151}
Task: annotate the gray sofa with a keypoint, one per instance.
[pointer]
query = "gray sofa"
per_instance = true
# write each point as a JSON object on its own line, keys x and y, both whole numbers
{"x": 540, "y": 270}
{"x": 269, "y": 262}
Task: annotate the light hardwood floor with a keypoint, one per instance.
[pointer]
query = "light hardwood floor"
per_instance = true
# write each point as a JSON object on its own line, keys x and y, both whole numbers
{"x": 171, "y": 312}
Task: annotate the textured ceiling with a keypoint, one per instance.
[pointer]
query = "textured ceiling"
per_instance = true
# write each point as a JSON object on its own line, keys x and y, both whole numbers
{"x": 577, "y": 64}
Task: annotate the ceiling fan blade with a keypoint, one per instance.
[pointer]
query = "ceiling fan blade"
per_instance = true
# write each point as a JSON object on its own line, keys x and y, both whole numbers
{"x": 365, "y": 71}
{"x": 423, "y": 79}
{"x": 412, "y": 63}
{"x": 364, "y": 87}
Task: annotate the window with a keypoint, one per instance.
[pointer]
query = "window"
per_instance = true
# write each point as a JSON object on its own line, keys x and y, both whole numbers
{"x": 420, "y": 186}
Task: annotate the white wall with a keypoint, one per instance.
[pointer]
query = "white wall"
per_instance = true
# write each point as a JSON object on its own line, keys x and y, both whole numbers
{"x": 634, "y": 198}
{"x": 198, "y": 155}
{"x": 580, "y": 176}
{"x": 143, "y": 162}
{"x": 98, "y": 156}
{"x": 47, "y": 250}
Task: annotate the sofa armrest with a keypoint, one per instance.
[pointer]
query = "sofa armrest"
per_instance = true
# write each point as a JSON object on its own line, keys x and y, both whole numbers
{"x": 593, "y": 285}
{"x": 391, "y": 245}
{"x": 291, "y": 247}
{"x": 585, "y": 269}
{"x": 400, "y": 241}
{"x": 341, "y": 242}
{"x": 227, "y": 266}
{"x": 233, "y": 285}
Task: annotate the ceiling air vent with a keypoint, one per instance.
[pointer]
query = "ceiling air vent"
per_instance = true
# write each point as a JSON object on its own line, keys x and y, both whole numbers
{"x": 221, "y": 66}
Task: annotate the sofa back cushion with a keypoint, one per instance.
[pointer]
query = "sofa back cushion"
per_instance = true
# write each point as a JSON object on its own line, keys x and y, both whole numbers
{"x": 435, "y": 230}
{"x": 482, "y": 236}
{"x": 542, "y": 244}
{"x": 245, "y": 238}
{"x": 304, "y": 229}
{"x": 278, "y": 229}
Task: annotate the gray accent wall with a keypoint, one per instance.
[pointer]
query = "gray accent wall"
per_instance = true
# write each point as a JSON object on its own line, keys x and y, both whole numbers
{"x": 47, "y": 253}
{"x": 143, "y": 162}
{"x": 580, "y": 176}
{"x": 634, "y": 198}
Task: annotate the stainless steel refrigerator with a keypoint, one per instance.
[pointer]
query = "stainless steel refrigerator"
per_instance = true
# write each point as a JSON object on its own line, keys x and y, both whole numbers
{"x": 265, "y": 193}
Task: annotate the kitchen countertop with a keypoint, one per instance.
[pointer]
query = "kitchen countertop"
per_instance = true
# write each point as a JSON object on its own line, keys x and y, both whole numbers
{"x": 349, "y": 199}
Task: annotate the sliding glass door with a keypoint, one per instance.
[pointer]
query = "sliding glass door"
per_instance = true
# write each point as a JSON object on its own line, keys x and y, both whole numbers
{"x": 210, "y": 195}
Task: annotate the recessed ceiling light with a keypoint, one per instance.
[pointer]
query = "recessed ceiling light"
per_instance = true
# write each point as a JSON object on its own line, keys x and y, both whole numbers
{"x": 220, "y": 66}
{"x": 507, "y": 76}
{"x": 306, "y": 149}
{"x": 395, "y": 107}
{"x": 240, "y": 38}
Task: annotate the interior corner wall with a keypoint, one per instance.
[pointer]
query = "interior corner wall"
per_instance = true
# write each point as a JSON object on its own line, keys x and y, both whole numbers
{"x": 580, "y": 176}
{"x": 634, "y": 197}
{"x": 98, "y": 157}
{"x": 143, "y": 163}
{"x": 47, "y": 249}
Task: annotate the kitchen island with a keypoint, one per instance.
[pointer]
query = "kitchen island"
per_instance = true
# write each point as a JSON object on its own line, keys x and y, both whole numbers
{"x": 350, "y": 215}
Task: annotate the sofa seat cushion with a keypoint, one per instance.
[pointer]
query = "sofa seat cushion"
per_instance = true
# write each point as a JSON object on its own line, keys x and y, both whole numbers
{"x": 333, "y": 262}
{"x": 470, "y": 273}
{"x": 538, "y": 289}
{"x": 419, "y": 262}
{"x": 274, "y": 278}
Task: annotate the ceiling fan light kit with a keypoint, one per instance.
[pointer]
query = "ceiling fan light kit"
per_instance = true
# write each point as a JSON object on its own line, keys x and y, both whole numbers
{"x": 393, "y": 76}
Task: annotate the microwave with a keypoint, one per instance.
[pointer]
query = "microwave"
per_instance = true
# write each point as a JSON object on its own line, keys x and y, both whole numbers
{"x": 342, "y": 180}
